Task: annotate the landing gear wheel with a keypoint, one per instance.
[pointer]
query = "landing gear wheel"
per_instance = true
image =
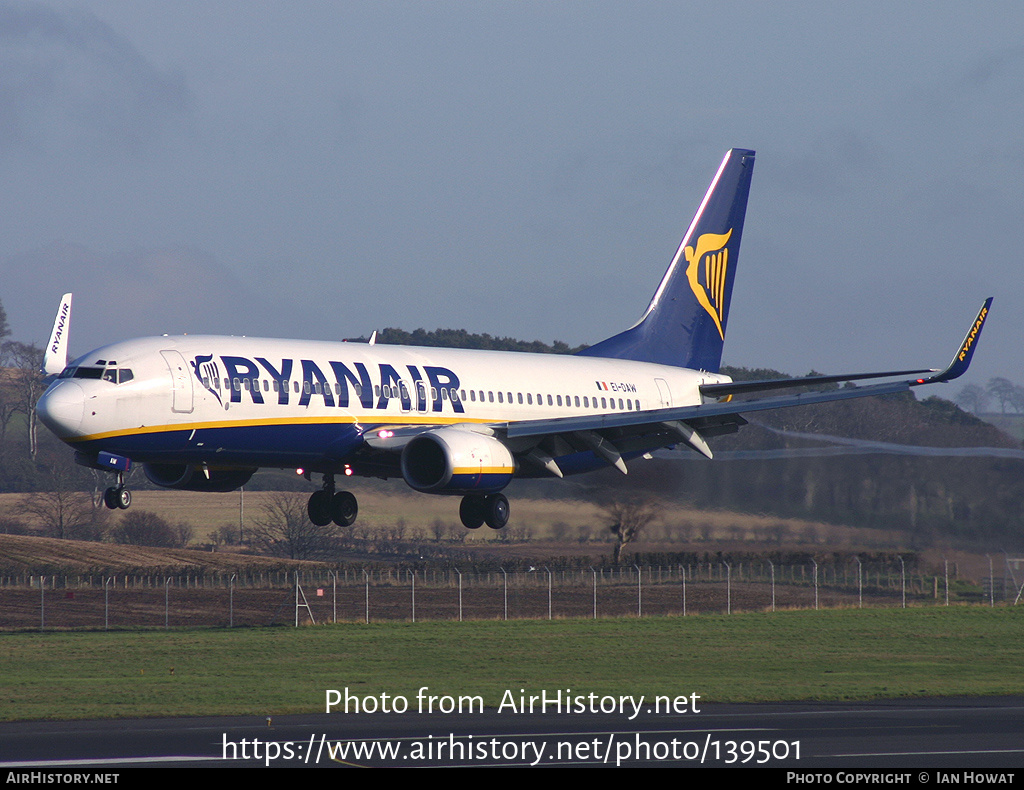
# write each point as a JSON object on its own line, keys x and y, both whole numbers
{"x": 319, "y": 508}
{"x": 472, "y": 511}
{"x": 344, "y": 509}
{"x": 496, "y": 511}
{"x": 117, "y": 498}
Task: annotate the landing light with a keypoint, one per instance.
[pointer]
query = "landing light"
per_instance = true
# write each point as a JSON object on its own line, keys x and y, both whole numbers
{"x": 299, "y": 471}
{"x": 385, "y": 434}
{"x": 348, "y": 470}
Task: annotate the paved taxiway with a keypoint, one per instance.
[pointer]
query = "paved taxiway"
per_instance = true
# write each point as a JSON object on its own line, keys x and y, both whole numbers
{"x": 955, "y": 733}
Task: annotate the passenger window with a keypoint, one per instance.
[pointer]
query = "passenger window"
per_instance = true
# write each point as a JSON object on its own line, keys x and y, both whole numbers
{"x": 529, "y": 398}
{"x": 472, "y": 395}
{"x": 576, "y": 401}
{"x": 206, "y": 382}
{"x": 519, "y": 396}
{"x": 559, "y": 400}
{"x": 500, "y": 398}
{"x": 603, "y": 404}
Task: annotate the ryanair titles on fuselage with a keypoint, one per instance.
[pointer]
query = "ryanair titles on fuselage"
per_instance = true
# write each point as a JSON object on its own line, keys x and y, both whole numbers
{"x": 433, "y": 386}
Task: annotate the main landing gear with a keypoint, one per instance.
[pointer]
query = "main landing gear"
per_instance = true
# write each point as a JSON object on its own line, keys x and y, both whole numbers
{"x": 117, "y": 497}
{"x": 476, "y": 509}
{"x": 327, "y": 505}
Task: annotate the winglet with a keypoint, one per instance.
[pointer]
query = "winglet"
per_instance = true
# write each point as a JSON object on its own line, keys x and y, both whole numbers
{"x": 962, "y": 358}
{"x": 55, "y": 358}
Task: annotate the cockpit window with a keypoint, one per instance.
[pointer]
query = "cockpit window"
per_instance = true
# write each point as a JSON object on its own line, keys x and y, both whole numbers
{"x": 113, "y": 375}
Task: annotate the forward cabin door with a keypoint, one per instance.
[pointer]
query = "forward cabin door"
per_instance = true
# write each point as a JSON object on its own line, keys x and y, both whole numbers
{"x": 181, "y": 382}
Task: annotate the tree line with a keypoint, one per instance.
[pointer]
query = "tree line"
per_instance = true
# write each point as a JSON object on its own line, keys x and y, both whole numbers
{"x": 977, "y": 399}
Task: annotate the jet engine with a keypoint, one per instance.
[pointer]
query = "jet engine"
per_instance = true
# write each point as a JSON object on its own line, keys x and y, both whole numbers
{"x": 186, "y": 477}
{"x": 455, "y": 461}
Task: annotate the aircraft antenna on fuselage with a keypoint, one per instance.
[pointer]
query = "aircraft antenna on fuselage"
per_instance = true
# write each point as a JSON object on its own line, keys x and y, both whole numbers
{"x": 55, "y": 358}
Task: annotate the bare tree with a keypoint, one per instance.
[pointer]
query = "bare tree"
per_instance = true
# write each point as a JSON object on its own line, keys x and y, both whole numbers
{"x": 65, "y": 509}
{"x": 973, "y": 398}
{"x": 25, "y": 361}
{"x": 283, "y": 529}
{"x": 629, "y": 515}
{"x": 1002, "y": 390}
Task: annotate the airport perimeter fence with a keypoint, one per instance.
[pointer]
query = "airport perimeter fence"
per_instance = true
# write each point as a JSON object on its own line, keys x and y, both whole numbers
{"x": 353, "y": 594}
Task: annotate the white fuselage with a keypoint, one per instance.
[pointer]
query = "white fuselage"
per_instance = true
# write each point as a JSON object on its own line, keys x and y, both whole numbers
{"x": 237, "y": 400}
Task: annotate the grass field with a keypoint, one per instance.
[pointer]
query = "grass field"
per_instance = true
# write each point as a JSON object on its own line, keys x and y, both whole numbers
{"x": 827, "y": 655}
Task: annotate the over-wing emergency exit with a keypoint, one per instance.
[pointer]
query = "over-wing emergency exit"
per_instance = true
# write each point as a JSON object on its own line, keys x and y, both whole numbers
{"x": 203, "y": 413}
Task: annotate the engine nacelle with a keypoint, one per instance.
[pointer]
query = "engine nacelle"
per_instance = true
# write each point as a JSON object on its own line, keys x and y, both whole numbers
{"x": 185, "y": 477}
{"x": 453, "y": 461}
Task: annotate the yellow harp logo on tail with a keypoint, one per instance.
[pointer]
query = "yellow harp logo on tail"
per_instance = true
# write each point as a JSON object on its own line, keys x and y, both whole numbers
{"x": 708, "y": 265}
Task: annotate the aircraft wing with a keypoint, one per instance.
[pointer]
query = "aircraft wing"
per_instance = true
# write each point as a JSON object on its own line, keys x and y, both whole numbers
{"x": 612, "y": 435}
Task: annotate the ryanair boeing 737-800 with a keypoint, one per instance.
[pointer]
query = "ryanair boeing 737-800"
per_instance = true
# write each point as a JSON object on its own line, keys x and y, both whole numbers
{"x": 203, "y": 413}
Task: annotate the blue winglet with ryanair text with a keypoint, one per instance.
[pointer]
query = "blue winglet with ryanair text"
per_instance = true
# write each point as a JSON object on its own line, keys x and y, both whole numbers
{"x": 962, "y": 358}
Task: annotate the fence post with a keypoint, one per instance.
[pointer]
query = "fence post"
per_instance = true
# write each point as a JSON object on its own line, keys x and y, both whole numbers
{"x": 595, "y": 590}
{"x": 639, "y": 591}
{"x": 231, "y": 600}
{"x": 505, "y": 587}
{"x": 367, "y": 577}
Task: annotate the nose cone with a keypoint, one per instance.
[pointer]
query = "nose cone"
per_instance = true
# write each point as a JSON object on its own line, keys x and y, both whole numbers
{"x": 62, "y": 408}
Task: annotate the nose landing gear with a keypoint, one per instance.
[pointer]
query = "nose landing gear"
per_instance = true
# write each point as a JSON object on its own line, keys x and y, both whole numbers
{"x": 117, "y": 497}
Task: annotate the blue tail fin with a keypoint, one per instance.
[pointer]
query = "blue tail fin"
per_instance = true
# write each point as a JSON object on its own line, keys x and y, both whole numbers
{"x": 684, "y": 324}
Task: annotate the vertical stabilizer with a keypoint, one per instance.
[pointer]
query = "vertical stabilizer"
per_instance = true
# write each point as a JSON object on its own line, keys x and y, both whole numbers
{"x": 55, "y": 357}
{"x": 684, "y": 325}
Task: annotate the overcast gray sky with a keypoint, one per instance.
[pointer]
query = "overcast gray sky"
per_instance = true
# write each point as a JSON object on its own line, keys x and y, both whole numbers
{"x": 322, "y": 169}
